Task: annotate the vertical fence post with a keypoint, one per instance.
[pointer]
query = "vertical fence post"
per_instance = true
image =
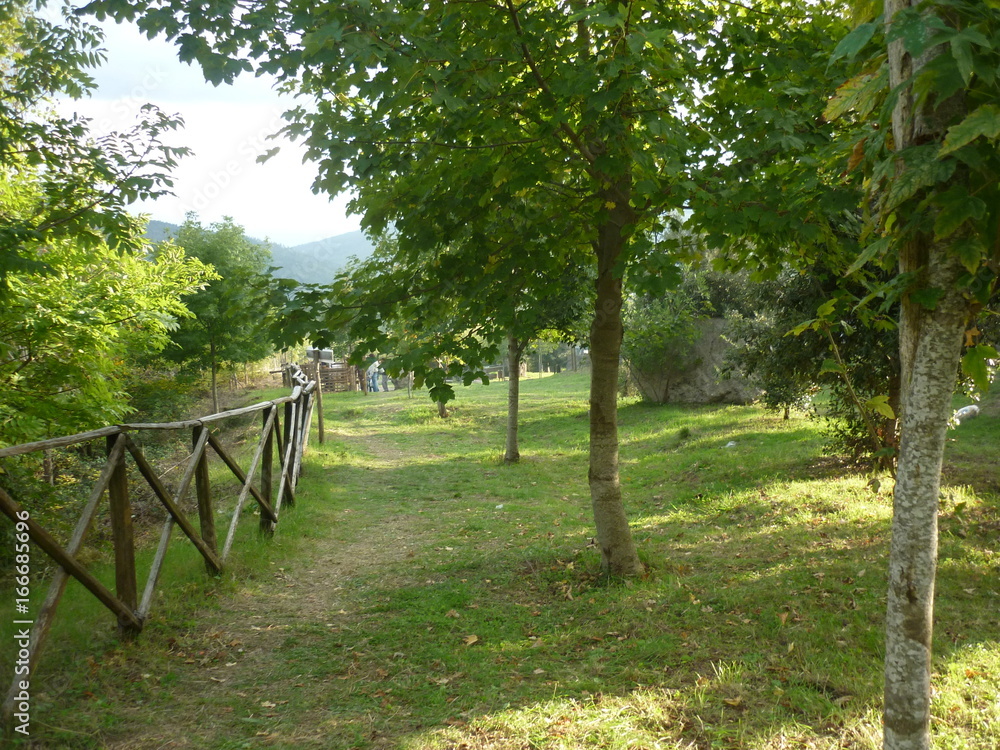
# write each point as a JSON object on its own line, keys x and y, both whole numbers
{"x": 203, "y": 488}
{"x": 266, "y": 465}
{"x": 124, "y": 540}
{"x": 319, "y": 399}
{"x": 302, "y": 433}
{"x": 290, "y": 430}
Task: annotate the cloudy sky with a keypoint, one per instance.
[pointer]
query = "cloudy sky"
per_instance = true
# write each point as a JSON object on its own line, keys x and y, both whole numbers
{"x": 227, "y": 127}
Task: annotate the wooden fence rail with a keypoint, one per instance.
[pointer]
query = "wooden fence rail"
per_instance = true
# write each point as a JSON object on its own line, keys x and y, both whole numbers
{"x": 286, "y": 428}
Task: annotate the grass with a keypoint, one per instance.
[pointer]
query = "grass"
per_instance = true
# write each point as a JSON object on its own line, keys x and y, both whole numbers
{"x": 423, "y": 595}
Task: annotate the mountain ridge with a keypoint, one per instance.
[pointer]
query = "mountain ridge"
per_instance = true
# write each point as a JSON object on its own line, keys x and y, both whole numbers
{"x": 309, "y": 263}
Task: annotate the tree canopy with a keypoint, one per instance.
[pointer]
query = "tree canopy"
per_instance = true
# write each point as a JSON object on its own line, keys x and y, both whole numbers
{"x": 83, "y": 183}
{"x": 65, "y": 333}
{"x": 230, "y": 316}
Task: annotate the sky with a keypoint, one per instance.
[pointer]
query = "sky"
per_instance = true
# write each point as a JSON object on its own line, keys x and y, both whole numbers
{"x": 227, "y": 128}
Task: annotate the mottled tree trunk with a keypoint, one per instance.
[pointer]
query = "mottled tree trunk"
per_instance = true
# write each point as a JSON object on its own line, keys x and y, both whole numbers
{"x": 512, "y": 453}
{"x": 618, "y": 553}
{"x": 930, "y": 344}
{"x": 930, "y": 347}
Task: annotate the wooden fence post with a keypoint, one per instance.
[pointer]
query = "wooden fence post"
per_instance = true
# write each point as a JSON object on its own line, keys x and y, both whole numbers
{"x": 319, "y": 399}
{"x": 203, "y": 489}
{"x": 266, "y": 468}
{"x": 124, "y": 540}
{"x": 290, "y": 436}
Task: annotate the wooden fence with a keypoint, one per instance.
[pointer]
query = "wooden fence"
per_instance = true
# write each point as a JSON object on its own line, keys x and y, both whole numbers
{"x": 334, "y": 376}
{"x": 288, "y": 432}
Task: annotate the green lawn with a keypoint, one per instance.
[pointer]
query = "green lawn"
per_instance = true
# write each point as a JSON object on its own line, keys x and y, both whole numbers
{"x": 424, "y": 595}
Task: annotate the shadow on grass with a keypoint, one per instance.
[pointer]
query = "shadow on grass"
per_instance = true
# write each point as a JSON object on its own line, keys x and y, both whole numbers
{"x": 759, "y": 624}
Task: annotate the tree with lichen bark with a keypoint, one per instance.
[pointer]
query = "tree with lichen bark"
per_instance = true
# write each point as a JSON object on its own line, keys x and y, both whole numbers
{"x": 933, "y": 164}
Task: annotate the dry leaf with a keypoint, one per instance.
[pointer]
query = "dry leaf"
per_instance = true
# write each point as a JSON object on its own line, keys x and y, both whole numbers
{"x": 471, "y": 639}
{"x": 452, "y": 613}
{"x": 268, "y": 704}
{"x": 539, "y": 671}
{"x": 733, "y": 701}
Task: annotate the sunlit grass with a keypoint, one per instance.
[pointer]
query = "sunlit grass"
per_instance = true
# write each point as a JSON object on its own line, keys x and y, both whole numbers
{"x": 424, "y": 595}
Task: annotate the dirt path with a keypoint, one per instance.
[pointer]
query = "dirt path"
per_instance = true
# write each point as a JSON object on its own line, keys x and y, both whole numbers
{"x": 232, "y": 668}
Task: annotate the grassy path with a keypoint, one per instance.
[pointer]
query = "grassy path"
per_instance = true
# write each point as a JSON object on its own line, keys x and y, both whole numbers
{"x": 425, "y": 596}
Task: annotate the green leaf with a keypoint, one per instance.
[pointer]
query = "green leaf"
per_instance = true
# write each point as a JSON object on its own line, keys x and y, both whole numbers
{"x": 927, "y": 298}
{"x": 880, "y": 405}
{"x": 957, "y": 207}
{"x": 983, "y": 121}
{"x": 802, "y": 328}
{"x": 854, "y": 42}
{"x": 961, "y": 50}
{"x": 875, "y": 249}
{"x": 831, "y": 365}
{"x": 826, "y": 309}
{"x": 860, "y": 94}
{"x": 971, "y": 251}
{"x": 975, "y": 364}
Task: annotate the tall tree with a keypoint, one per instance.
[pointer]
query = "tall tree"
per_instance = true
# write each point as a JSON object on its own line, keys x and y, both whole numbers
{"x": 939, "y": 207}
{"x": 83, "y": 183}
{"x": 65, "y": 333}
{"x": 920, "y": 123}
{"x": 230, "y": 317}
{"x": 416, "y": 315}
{"x": 585, "y": 100}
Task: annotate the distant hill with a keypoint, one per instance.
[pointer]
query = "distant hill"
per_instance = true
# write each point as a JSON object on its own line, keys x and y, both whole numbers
{"x": 318, "y": 262}
{"x": 312, "y": 263}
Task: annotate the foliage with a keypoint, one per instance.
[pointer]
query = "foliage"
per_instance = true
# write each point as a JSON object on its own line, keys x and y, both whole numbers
{"x": 83, "y": 185}
{"x": 660, "y": 334}
{"x": 947, "y": 190}
{"x": 430, "y": 317}
{"x": 772, "y": 190}
{"x": 65, "y": 333}
{"x": 230, "y": 317}
{"x": 791, "y": 362}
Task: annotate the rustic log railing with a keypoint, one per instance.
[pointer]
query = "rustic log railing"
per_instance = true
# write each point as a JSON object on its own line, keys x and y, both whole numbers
{"x": 289, "y": 432}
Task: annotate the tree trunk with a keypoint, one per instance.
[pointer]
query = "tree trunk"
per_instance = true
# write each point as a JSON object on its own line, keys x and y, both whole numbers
{"x": 618, "y": 553}
{"x": 930, "y": 344}
{"x": 930, "y": 348}
{"x": 512, "y": 453}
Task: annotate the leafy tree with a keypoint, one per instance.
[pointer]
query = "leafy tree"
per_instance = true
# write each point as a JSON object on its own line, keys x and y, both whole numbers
{"x": 230, "y": 317}
{"x": 923, "y": 163}
{"x": 83, "y": 185}
{"x": 854, "y": 357}
{"x": 65, "y": 334}
{"x": 437, "y": 112}
{"x": 406, "y": 310}
{"x": 660, "y": 333}
{"x": 931, "y": 154}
